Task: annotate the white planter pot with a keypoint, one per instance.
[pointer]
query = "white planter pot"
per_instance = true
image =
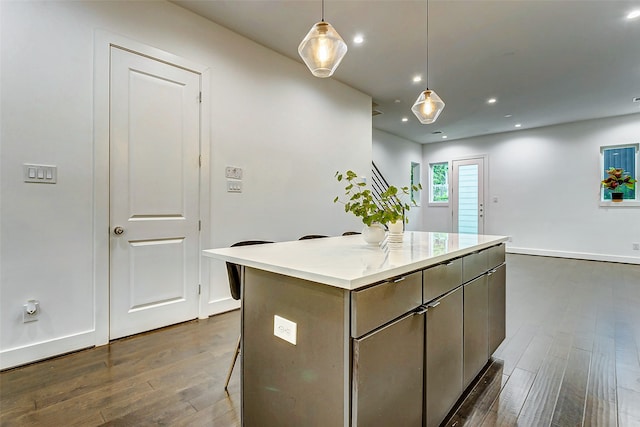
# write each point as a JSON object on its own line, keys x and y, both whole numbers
{"x": 396, "y": 232}
{"x": 396, "y": 227}
{"x": 373, "y": 234}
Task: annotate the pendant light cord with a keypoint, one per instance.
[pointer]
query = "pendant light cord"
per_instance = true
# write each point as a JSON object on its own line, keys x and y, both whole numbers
{"x": 427, "y": 79}
{"x": 322, "y": 10}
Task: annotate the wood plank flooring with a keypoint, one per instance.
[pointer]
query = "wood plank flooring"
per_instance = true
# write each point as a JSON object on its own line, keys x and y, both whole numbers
{"x": 173, "y": 376}
{"x": 571, "y": 353}
{"x": 570, "y": 359}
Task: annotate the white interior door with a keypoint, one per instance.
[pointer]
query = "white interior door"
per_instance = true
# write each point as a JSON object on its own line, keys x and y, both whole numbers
{"x": 154, "y": 193}
{"x": 467, "y": 196}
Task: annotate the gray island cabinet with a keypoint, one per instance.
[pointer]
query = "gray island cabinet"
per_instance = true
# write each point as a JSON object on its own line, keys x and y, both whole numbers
{"x": 339, "y": 333}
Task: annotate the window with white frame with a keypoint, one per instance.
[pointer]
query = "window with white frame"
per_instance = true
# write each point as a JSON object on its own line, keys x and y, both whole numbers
{"x": 415, "y": 182}
{"x": 619, "y": 168}
{"x": 439, "y": 183}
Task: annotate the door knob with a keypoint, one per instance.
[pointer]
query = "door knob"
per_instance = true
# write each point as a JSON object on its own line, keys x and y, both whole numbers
{"x": 118, "y": 231}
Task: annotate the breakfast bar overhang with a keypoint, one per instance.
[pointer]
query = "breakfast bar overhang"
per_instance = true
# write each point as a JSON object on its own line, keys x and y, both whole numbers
{"x": 336, "y": 332}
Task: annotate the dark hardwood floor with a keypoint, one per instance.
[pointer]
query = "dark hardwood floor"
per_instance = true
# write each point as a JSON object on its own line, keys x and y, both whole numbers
{"x": 570, "y": 359}
{"x": 571, "y": 354}
{"x": 172, "y": 376}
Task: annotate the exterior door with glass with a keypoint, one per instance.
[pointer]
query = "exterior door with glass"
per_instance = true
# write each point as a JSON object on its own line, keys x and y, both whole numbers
{"x": 467, "y": 196}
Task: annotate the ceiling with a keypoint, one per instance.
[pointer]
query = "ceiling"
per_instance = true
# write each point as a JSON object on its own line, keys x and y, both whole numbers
{"x": 545, "y": 61}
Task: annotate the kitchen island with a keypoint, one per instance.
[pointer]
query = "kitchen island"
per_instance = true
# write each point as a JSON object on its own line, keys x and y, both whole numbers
{"x": 336, "y": 332}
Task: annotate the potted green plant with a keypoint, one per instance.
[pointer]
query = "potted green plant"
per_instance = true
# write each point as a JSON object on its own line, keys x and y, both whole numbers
{"x": 375, "y": 211}
{"x": 617, "y": 181}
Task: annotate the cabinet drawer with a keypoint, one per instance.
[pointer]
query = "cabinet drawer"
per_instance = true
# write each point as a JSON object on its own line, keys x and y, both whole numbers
{"x": 373, "y": 307}
{"x": 495, "y": 256}
{"x": 440, "y": 279}
{"x": 473, "y": 265}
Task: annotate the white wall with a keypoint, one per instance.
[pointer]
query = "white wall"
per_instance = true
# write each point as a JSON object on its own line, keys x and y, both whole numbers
{"x": 393, "y": 156}
{"x": 289, "y": 131}
{"x": 547, "y": 182}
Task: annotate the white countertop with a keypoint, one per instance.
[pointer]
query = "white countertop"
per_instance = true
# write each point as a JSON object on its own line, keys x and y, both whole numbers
{"x": 348, "y": 262}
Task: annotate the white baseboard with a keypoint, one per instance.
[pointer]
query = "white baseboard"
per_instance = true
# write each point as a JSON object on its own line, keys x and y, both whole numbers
{"x": 222, "y": 306}
{"x": 33, "y": 352}
{"x": 18, "y": 356}
{"x": 574, "y": 255}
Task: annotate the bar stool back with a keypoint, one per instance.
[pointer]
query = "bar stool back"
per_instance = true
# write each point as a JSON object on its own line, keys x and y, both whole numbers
{"x": 233, "y": 271}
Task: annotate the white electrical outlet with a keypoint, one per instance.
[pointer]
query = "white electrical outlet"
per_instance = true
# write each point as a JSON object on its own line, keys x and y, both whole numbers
{"x": 285, "y": 329}
{"x": 31, "y": 311}
{"x": 635, "y": 246}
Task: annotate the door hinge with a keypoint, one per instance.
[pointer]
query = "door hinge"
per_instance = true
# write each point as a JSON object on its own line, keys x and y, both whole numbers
{"x": 199, "y": 289}
{"x": 200, "y": 97}
{"x": 200, "y": 160}
{"x": 199, "y": 225}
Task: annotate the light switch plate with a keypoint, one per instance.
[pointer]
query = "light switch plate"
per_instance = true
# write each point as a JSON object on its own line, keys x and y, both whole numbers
{"x": 285, "y": 329}
{"x": 234, "y": 186}
{"x": 40, "y": 174}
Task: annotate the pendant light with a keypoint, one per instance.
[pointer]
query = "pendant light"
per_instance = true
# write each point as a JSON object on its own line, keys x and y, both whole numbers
{"x": 322, "y": 49}
{"x": 429, "y": 105}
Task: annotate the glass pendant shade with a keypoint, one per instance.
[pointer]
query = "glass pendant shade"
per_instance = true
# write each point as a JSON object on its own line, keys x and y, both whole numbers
{"x": 322, "y": 49}
{"x": 428, "y": 107}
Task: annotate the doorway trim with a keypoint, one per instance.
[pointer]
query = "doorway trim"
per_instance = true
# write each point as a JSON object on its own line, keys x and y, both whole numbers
{"x": 103, "y": 41}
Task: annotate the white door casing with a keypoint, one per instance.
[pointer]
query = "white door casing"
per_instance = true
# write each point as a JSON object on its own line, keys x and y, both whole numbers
{"x": 154, "y": 193}
{"x": 467, "y": 196}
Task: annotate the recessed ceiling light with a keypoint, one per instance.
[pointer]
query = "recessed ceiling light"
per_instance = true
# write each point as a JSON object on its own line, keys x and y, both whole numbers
{"x": 444, "y": 137}
{"x": 358, "y": 39}
{"x": 518, "y": 125}
{"x": 404, "y": 119}
{"x": 506, "y": 116}
{"x": 491, "y": 101}
{"x": 633, "y": 14}
{"x": 397, "y": 101}
{"x": 417, "y": 79}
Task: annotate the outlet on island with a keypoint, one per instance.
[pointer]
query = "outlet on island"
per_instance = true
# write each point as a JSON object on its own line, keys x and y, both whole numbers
{"x": 285, "y": 329}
